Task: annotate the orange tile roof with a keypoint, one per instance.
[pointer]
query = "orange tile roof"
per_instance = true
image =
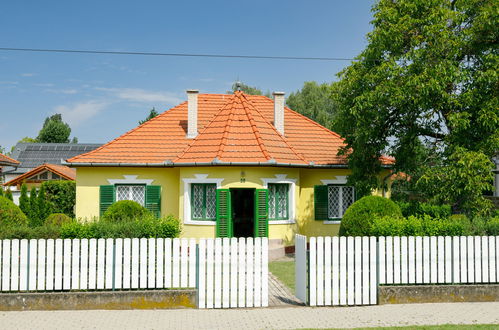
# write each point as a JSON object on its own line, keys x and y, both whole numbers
{"x": 234, "y": 128}
{"x": 7, "y": 161}
{"x": 61, "y": 170}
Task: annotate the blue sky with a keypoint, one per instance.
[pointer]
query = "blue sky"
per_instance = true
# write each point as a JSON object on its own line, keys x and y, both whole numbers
{"x": 103, "y": 96}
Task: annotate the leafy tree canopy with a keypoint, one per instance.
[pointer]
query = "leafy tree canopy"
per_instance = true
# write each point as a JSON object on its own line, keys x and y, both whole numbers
{"x": 425, "y": 91}
{"x": 153, "y": 113}
{"x": 315, "y": 102}
{"x": 247, "y": 89}
{"x": 54, "y": 130}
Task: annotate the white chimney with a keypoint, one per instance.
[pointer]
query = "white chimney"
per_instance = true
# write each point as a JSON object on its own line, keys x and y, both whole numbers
{"x": 192, "y": 113}
{"x": 279, "y": 111}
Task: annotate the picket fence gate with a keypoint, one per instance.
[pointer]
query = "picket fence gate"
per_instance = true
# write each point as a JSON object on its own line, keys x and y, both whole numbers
{"x": 146, "y": 263}
{"x": 348, "y": 270}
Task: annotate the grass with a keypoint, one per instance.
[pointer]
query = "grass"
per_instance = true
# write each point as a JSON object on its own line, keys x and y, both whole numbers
{"x": 435, "y": 327}
{"x": 285, "y": 272}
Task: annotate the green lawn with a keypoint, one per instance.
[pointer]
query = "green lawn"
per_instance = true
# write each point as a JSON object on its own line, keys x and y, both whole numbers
{"x": 435, "y": 327}
{"x": 285, "y": 272}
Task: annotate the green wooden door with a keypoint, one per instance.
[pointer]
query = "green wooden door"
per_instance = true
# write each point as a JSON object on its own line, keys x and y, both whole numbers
{"x": 224, "y": 213}
{"x": 261, "y": 213}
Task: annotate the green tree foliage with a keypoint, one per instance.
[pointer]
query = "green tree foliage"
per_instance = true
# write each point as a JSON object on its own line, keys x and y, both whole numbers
{"x": 247, "y": 89}
{"x": 61, "y": 196}
{"x": 24, "y": 200}
{"x": 10, "y": 213}
{"x": 153, "y": 113}
{"x": 315, "y": 102}
{"x": 44, "y": 208}
{"x": 33, "y": 208}
{"x": 8, "y": 195}
{"x": 54, "y": 130}
{"x": 425, "y": 91}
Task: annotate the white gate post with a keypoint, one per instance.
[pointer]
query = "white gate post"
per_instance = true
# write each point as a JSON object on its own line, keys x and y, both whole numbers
{"x": 301, "y": 267}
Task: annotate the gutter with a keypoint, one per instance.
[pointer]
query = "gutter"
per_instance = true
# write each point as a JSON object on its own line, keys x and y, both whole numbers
{"x": 213, "y": 163}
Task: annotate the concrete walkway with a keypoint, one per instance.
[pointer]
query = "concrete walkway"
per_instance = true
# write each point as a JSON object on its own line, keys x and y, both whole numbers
{"x": 279, "y": 294}
{"x": 264, "y": 318}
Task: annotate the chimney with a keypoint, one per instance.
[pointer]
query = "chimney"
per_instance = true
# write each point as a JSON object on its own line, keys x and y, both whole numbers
{"x": 192, "y": 113}
{"x": 279, "y": 111}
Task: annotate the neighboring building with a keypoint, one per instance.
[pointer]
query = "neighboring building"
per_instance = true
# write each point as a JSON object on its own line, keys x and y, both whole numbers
{"x": 44, "y": 172}
{"x": 31, "y": 156}
{"x": 6, "y": 161}
{"x": 228, "y": 166}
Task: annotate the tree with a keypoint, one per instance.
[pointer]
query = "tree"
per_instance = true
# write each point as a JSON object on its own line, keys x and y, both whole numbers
{"x": 239, "y": 86}
{"x": 425, "y": 89}
{"x": 44, "y": 208}
{"x": 34, "y": 217}
{"x": 315, "y": 102}
{"x": 24, "y": 203}
{"x": 54, "y": 130}
{"x": 153, "y": 113}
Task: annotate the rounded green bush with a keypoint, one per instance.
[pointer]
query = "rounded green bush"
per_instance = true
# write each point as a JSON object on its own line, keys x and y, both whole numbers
{"x": 57, "y": 219}
{"x": 10, "y": 213}
{"x": 123, "y": 211}
{"x": 358, "y": 218}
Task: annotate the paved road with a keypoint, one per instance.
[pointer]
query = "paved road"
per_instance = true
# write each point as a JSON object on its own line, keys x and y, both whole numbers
{"x": 265, "y": 318}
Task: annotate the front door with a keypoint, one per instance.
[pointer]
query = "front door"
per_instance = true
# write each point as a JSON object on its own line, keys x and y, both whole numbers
{"x": 242, "y": 212}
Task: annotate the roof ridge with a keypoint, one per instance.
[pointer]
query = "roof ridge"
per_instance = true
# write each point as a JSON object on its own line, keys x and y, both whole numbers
{"x": 255, "y": 130}
{"x": 10, "y": 159}
{"x": 164, "y": 113}
{"x": 223, "y": 142}
{"x": 180, "y": 155}
{"x": 277, "y": 132}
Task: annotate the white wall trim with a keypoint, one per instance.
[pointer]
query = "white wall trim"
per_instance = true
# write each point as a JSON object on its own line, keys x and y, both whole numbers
{"x": 332, "y": 222}
{"x": 130, "y": 179}
{"x": 282, "y": 178}
{"x": 339, "y": 179}
{"x": 198, "y": 178}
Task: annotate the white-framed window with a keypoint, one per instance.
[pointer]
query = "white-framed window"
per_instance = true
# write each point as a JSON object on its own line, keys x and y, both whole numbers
{"x": 281, "y": 198}
{"x": 339, "y": 199}
{"x": 136, "y": 193}
{"x": 200, "y": 199}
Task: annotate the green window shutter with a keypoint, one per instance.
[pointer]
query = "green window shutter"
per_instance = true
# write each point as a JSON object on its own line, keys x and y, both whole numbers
{"x": 320, "y": 202}
{"x": 261, "y": 213}
{"x": 224, "y": 221}
{"x": 106, "y": 198}
{"x": 153, "y": 200}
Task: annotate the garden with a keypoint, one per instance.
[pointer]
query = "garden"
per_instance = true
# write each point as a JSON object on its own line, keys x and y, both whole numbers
{"x": 48, "y": 212}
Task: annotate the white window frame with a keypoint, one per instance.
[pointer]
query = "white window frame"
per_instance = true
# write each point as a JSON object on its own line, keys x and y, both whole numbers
{"x": 130, "y": 193}
{"x": 338, "y": 180}
{"x": 199, "y": 178}
{"x": 281, "y": 178}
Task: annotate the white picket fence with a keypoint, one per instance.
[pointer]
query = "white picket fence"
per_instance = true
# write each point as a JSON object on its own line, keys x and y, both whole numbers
{"x": 97, "y": 264}
{"x": 341, "y": 270}
{"x": 347, "y": 270}
{"x": 228, "y": 273}
{"x": 233, "y": 273}
{"x": 427, "y": 260}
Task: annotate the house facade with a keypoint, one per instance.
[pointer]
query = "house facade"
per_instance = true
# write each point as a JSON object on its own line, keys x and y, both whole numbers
{"x": 227, "y": 166}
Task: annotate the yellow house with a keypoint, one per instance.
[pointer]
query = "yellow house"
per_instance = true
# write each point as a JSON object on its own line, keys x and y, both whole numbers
{"x": 233, "y": 165}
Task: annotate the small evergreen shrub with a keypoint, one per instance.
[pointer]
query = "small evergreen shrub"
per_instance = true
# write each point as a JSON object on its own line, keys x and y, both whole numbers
{"x": 8, "y": 195}
{"x": 123, "y": 211}
{"x": 24, "y": 200}
{"x": 34, "y": 215}
{"x": 493, "y": 226}
{"x": 358, "y": 218}
{"x": 10, "y": 213}
{"x": 57, "y": 219}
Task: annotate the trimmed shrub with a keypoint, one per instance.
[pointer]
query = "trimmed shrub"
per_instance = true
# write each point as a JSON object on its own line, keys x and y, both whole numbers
{"x": 123, "y": 211}
{"x": 57, "y": 219}
{"x": 418, "y": 208}
{"x": 10, "y": 213}
{"x": 493, "y": 226}
{"x": 388, "y": 226}
{"x": 358, "y": 218}
{"x": 26, "y": 232}
{"x": 149, "y": 227}
{"x": 61, "y": 195}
